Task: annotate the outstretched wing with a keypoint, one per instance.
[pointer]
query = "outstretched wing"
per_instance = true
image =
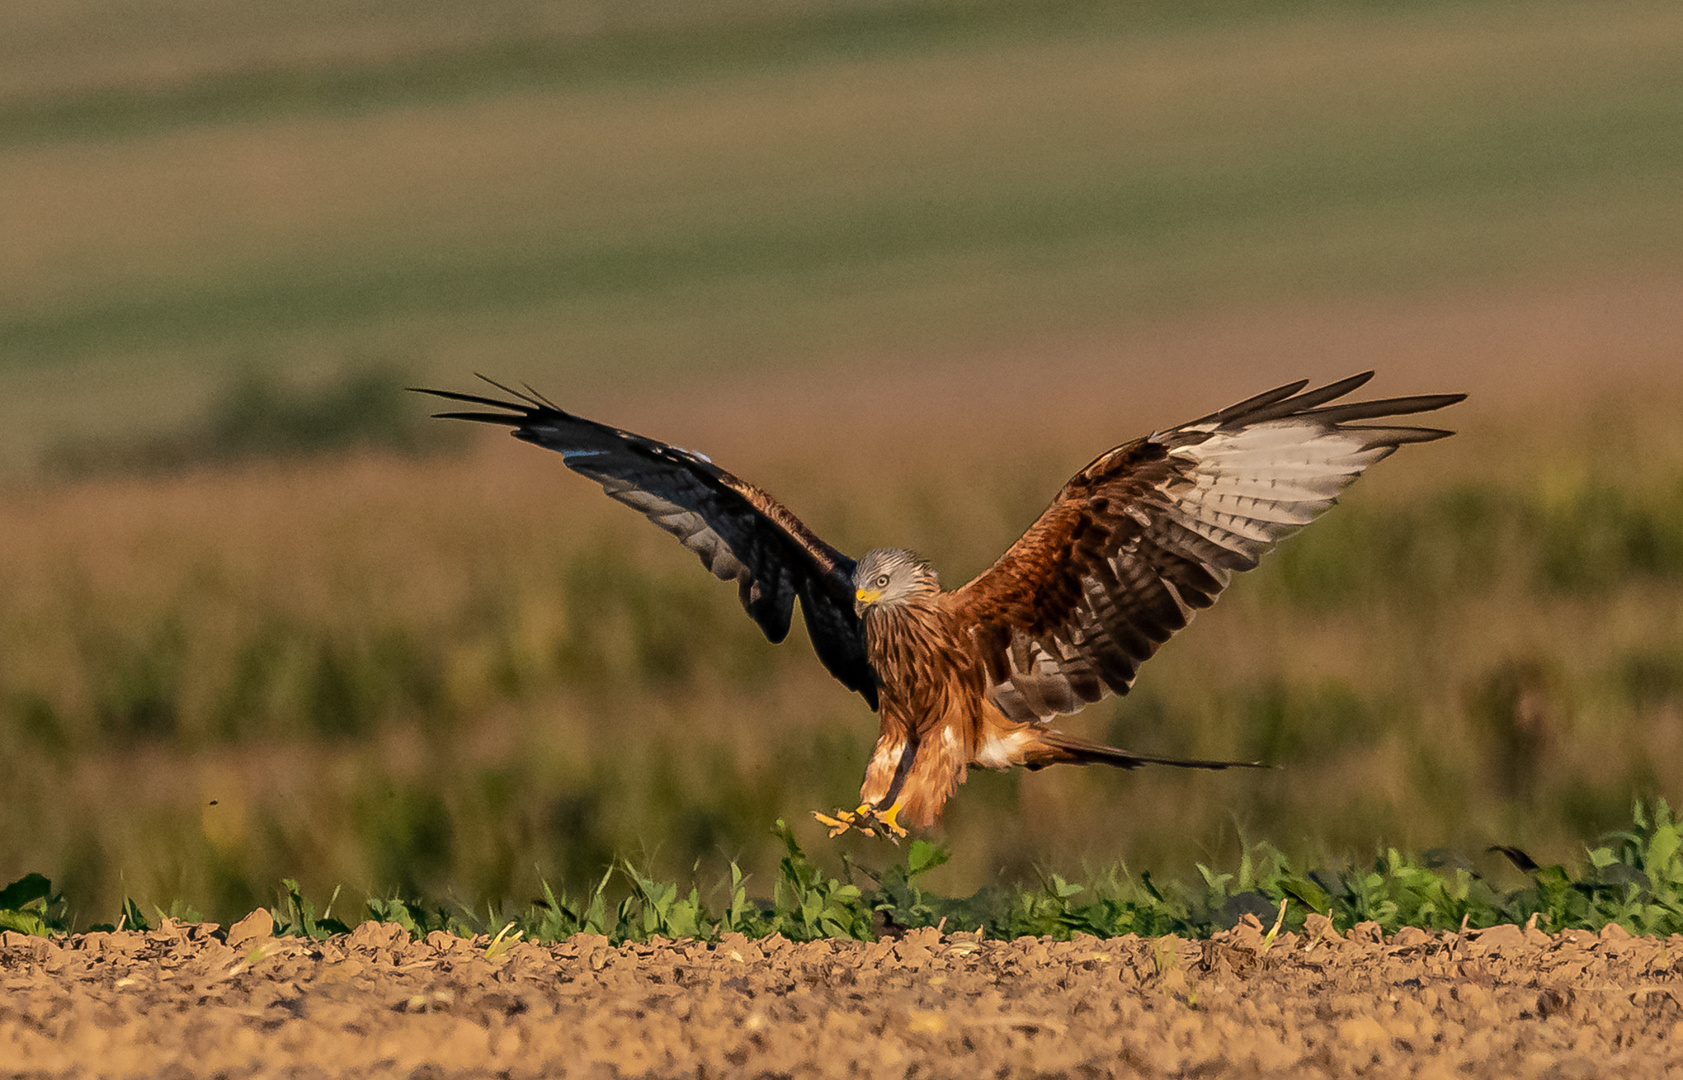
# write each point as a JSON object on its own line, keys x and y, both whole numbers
{"x": 1152, "y": 531}
{"x": 741, "y": 533}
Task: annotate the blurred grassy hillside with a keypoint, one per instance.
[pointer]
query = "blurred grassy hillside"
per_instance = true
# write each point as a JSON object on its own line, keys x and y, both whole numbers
{"x": 906, "y": 264}
{"x": 697, "y": 193}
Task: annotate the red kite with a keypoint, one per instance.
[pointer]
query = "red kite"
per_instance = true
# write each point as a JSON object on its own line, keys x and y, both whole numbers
{"x": 1135, "y": 544}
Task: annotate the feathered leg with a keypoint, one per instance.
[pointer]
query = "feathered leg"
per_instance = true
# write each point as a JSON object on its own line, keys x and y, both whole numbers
{"x": 880, "y": 795}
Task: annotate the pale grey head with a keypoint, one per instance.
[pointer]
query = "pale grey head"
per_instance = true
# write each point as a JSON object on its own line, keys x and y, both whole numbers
{"x": 889, "y": 576}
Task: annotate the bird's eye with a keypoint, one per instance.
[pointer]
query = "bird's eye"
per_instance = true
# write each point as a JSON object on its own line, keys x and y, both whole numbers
{"x": 882, "y": 581}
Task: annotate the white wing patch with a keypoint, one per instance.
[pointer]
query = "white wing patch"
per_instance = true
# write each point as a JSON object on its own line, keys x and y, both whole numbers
{"x": 1250, "y": 488}
{"x": 689, "y": 527}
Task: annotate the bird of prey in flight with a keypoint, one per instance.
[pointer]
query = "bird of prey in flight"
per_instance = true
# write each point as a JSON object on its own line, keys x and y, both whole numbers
{"x": 1135, "y": 544}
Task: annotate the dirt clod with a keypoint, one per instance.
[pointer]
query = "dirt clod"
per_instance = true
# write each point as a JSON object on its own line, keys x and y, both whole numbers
{"x": 253, "y": 928}
{"x": 1553, "y": 1001}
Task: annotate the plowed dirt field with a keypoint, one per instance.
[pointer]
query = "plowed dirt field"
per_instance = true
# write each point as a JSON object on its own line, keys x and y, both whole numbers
{"x": 188, "y": 1001}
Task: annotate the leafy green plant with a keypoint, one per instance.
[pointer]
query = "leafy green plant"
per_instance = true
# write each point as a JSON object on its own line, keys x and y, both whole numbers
{"x": 296, "y": 916}
{"x": 28, "y": 905}
{"x": 664, "y": 912}
{"x": 900, "y": 899}
{"x": 808, "y": 904}
{"x": 1634, "y": 878}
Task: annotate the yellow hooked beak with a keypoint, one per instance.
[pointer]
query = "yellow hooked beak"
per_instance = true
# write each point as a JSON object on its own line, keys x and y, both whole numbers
{"x": 864, "y": 598}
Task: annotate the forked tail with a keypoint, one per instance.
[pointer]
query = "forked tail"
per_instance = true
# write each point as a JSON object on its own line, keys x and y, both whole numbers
{"x": 1056, "y": 748}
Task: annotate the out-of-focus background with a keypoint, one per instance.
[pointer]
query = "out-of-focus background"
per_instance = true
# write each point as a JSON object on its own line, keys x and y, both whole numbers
{"x": 907, "y": 265}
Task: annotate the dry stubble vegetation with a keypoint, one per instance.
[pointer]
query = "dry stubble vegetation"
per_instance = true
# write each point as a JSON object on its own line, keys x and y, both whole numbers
{"x": 461, "y": 675}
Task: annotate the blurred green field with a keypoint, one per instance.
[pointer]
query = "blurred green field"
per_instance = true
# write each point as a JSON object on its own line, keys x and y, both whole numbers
{"x": 908, "y": 266}
{"x": 773, "y": 186}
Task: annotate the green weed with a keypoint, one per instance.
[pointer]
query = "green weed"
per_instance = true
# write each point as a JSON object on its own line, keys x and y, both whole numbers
{"x": 29, "y": 906}
{"x": 1635, "y": 879}
{"x": 296, "y": 916}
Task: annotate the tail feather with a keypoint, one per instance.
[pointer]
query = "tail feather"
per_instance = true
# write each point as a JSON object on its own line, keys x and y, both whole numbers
{"x": 1056, "y": 748}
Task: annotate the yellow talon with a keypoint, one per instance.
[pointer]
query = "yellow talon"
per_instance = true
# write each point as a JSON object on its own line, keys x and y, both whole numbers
{"x": 838, "y": 824}
{"x": 888, "y": 822}
{"x": 843, "y": 821}
{"x": 866, "y": 819}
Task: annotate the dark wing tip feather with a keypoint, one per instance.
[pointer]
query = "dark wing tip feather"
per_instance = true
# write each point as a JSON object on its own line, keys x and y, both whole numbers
{"x": 514, "y": 409}
{"x": 1299, "y": 404}
{"x": 1395, "y": 437}
{"x": 1291, "y": 400}
{"x": 527, "y": 403}
{"x": 1260, "y": 401}
{"x": 530, "y": 396}
{"x": 1374, "y": 410}
{"x": 535, "y": 396}
{"x": 482, "y": 417}
{"x": 526, "y": 407}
